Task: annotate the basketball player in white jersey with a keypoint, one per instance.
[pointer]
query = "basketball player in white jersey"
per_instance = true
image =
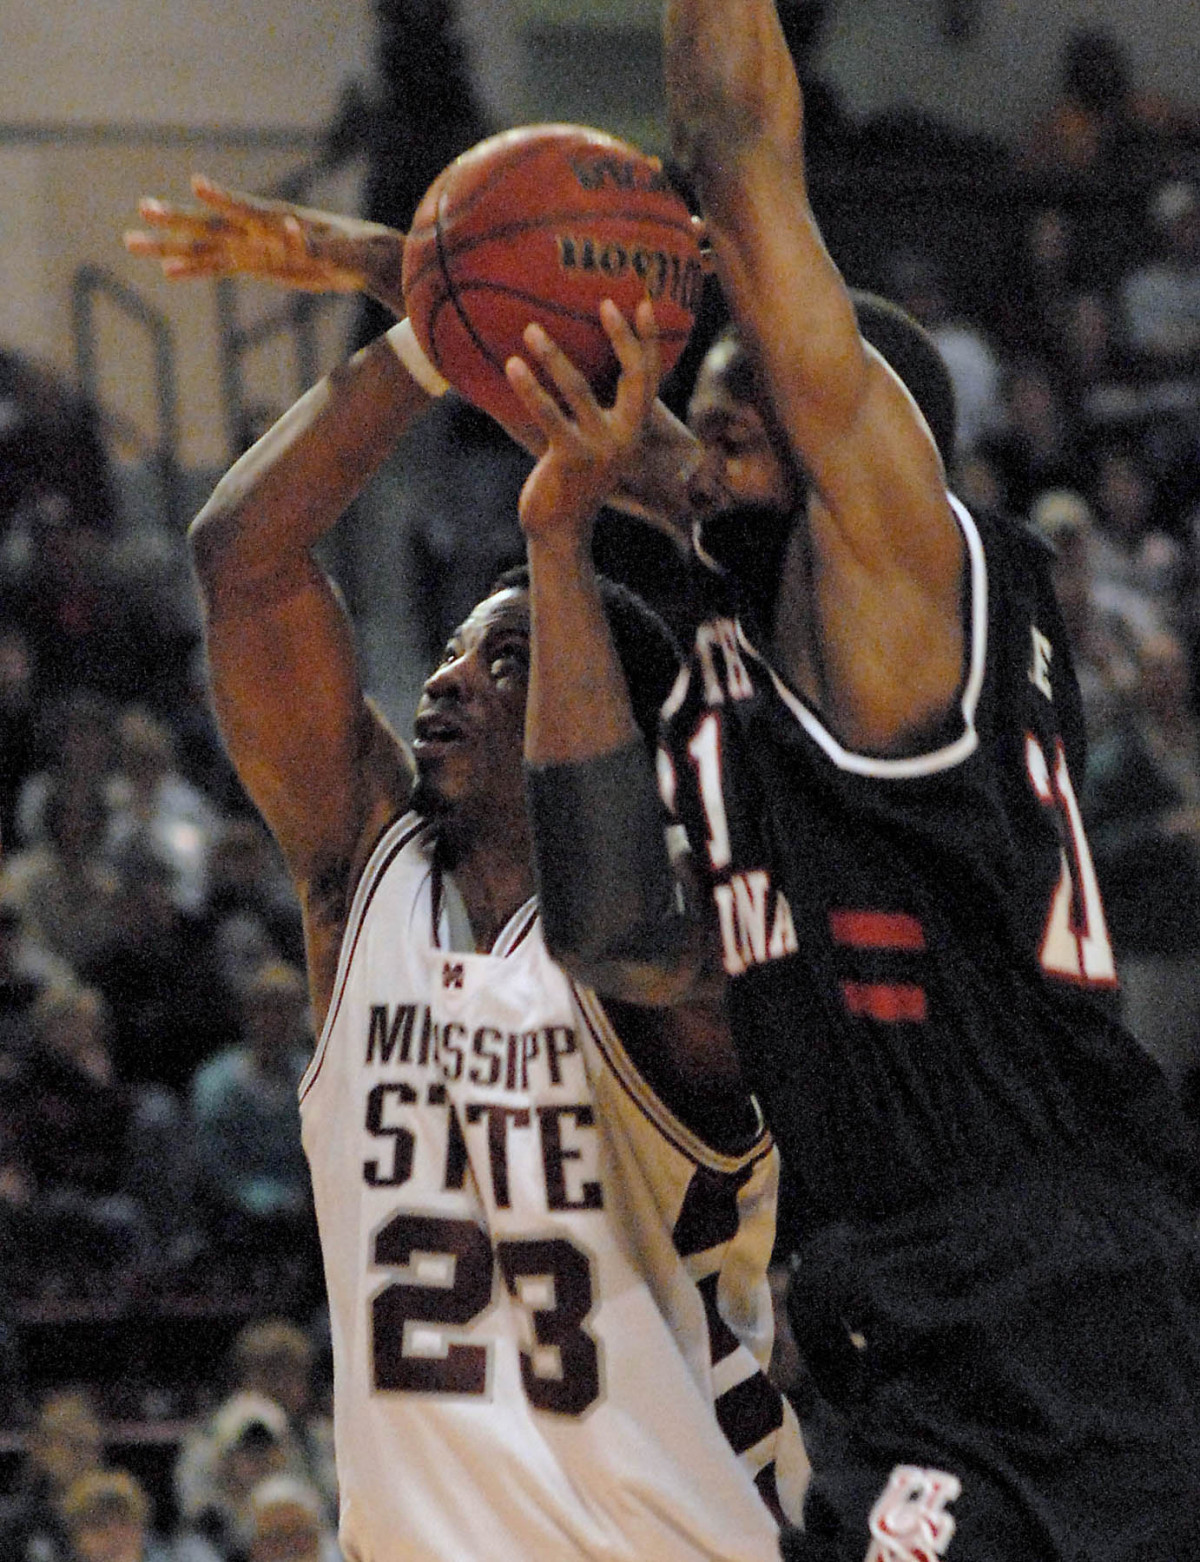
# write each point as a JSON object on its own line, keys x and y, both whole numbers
{"x": 547, "y": 1285}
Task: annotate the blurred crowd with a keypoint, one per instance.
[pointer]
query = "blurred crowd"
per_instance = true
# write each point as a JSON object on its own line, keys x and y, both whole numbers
{"x": 153, "y": 1017}
{"x": 251, "y": 1479}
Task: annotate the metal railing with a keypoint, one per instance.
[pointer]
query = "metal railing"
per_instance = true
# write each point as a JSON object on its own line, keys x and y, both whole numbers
{"x": 295, "y": 316}
{"x": 91, "y": 285}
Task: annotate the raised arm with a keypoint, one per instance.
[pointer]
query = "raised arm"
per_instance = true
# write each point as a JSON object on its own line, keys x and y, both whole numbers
{"x": 608, "y": 891}
{"x": 319, "y": 762}
{"x": 231, "y": 234}
{"x": 883, "y": 533}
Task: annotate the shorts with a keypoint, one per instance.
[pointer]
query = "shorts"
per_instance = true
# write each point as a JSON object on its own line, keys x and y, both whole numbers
{"x": 1012, "y": 1374}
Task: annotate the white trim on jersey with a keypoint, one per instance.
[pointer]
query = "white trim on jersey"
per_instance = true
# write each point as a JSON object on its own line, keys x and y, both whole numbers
{"x": 517, "y": 929}
{"x": 677, "y": 1133}
{"x": 917, "y": 764}
{"x": 678, "y": 693}
{"x": 393, "y": 840}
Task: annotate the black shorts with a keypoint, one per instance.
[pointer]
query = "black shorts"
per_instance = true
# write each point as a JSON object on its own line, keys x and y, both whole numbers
{"x": 1012, "y": 1375}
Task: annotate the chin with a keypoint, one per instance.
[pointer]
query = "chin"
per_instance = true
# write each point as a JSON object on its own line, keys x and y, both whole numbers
{"x": 427, "y": 798}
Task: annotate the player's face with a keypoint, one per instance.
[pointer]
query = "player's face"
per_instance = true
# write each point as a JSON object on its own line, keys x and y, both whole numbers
{"x": 741, "y": 467}
{"x": 469, "y": 727}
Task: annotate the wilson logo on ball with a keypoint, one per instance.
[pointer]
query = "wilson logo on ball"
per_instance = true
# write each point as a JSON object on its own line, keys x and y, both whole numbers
{"x": 621, "y": 173}
{"x": 674, "y": 276}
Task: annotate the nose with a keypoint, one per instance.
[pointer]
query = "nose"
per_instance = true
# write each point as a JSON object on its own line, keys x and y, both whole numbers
{"x": 451, "y": 680}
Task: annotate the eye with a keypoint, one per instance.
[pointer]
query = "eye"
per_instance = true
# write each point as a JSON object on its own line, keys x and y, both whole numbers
{"x": 510, "y": 660}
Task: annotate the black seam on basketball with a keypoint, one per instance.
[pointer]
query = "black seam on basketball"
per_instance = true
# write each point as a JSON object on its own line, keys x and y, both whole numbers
{"x": 547, "y": 305}
{"x": 514, "y": 229}
{"x": 551, "y": 219}
{"x": 523, "y": 155}
{"x": 452, "y": 295}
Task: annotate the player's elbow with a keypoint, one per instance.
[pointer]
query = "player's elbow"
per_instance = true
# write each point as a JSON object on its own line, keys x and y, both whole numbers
{"x": 208, "y": 546}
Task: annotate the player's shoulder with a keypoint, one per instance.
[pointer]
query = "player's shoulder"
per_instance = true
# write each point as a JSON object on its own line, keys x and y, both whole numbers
{"x": 1010, "y": 537}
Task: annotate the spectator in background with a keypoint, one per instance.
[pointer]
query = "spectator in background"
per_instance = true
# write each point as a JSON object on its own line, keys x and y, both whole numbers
{"x": 65, "y": 886}
{"x": 1141, "y": 803}
{"x": 18, "y": 726}
{"x": 918, "y": 285}
{"x": 170, "y": 1008}
{"x": 1138, "y": 567}
{"x": 247, "y": 879}
{"x": 87, "y": 627}
{"x": 76, "y": 1148}
{"x": 421, "y": 110}
{"x": 106, "y": 1515}
{"x": 276, "y": 1357}
{"x": 253, "y": 1176}
{"x": 1045, "y": 269}
{"x": 1038, "y": 445}
{"x": 53, "y": 458}
{"x": 65, "y": 1444}
{"x": 250, "y": 1444}
{"x": 1099, "y": 127}
{"x": 1160, "y": 298}
{"x": 273, "y": 1359}
{"x": 26, "y": 971}
{"x": 77, "y": 745}
{"x": 1093, "y": 367}
{"x": 288, "y": 1524}
{"x": 155, "y": 810}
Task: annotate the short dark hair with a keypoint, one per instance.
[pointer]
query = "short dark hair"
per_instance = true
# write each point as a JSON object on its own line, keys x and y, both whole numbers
{"x": 646, "y": 649}
{"x": 896, "y": 336}
{"x": 915, "y": 357}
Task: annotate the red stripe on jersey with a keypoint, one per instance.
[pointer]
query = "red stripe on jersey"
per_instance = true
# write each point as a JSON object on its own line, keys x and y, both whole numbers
{"x": 890, "y": 1004}
{"x": 876, "y": 930}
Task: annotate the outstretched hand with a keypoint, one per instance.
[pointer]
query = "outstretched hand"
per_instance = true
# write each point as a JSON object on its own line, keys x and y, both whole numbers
{"x": 232, "y": 234}
{"x": 590, "y": 449}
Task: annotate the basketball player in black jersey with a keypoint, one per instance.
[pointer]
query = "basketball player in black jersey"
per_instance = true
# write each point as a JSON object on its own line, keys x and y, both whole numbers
{"x": 996, "y": 1281}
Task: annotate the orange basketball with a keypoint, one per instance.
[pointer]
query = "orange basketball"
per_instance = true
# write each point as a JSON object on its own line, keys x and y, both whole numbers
{"x": 543, "y": 223}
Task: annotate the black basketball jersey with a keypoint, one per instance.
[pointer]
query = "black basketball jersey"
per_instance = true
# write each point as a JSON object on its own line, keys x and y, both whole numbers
{"x": 921, "y": 982}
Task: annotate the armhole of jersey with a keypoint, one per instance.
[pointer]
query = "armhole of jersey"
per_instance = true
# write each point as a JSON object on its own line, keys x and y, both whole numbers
{"x": 951, "y": 754}
{"x": 678, "y": 693}
{"x": 393, "y": 841}
{"x": 677, "y": 1133}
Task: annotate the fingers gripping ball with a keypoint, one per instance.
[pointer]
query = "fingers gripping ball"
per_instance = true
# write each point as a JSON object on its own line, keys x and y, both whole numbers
{"x": 541, "y": 224}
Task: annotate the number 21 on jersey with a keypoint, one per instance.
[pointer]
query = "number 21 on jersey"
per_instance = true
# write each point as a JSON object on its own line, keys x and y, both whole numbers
{"x": 1075, "y": 943}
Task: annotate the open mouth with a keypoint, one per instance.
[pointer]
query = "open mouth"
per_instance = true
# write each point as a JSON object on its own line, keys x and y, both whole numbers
{"x": 435, "y": 729}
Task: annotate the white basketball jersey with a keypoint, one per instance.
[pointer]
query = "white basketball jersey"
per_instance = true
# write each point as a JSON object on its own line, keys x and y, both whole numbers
{"x": 548, "y": 1298}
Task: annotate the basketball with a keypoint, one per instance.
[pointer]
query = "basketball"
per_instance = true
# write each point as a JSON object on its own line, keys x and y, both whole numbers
{"x": 541, "y": 224}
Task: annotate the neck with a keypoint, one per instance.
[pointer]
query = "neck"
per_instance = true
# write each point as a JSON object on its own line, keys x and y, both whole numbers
{"x": 793, "y": 643}
{"x": 494, "y": 880}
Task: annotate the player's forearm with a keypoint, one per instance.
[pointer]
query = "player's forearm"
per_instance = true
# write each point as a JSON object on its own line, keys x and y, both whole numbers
{"x": 291, "y": 487}
{"x": 382, "y": 260}
{"x": 730, "y": 83}
{"x": 606, "y": 884}
{"x": 611, "y": 912}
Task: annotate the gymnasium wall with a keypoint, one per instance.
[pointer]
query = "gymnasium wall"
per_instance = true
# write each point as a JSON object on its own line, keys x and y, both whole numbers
{"x": 102, "y": 100}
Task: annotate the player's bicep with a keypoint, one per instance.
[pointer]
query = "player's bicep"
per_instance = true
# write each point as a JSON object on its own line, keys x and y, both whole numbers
{"x": 292, "y": 714}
